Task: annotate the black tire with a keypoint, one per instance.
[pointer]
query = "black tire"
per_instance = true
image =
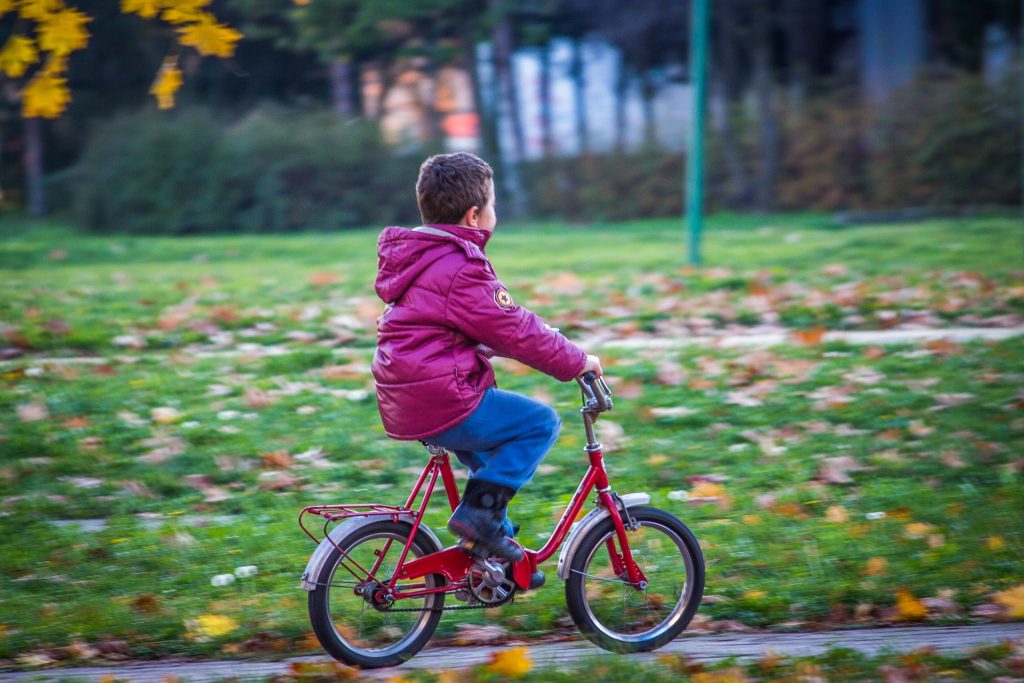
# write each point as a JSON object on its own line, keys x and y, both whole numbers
{"x": 352, "y": 630}
{"x": 617, "y": 617}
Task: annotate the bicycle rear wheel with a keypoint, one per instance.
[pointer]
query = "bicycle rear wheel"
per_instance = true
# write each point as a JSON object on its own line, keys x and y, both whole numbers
{"x": 347, "y": 621}
{"x": 616, "y": 616}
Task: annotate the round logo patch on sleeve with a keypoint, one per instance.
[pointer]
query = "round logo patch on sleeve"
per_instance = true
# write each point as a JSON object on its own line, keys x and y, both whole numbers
{"x": 503, "y": 299}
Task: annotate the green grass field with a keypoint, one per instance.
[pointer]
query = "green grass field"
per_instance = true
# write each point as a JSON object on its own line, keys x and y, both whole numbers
{"x": 222, "y": 383}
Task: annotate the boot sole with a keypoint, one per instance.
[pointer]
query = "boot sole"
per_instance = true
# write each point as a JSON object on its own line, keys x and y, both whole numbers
{"x": 479, "y": 547}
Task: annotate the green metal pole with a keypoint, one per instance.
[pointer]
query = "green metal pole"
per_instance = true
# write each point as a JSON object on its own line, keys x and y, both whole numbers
{"x": 695, "y": 153}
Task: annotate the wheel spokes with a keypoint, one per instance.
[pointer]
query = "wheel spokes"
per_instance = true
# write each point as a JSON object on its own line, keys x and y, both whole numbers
{"x": 366, "y": 625}
{"x": 616, "y": 604}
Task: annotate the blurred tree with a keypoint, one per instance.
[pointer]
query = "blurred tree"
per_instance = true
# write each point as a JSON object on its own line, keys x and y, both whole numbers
{"x": 764, "y": 92}
{"x": 727, "y": 79}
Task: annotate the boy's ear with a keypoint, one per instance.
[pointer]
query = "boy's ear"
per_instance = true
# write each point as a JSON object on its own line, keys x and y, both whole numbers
{"x": 471, "y": 217}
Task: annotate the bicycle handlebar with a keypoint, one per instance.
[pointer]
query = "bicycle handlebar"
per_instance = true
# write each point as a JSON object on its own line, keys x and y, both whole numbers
{"x": 597, "y": 397}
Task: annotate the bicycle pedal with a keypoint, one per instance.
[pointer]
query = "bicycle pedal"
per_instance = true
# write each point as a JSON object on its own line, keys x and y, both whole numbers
{"x": 474, "y": 549}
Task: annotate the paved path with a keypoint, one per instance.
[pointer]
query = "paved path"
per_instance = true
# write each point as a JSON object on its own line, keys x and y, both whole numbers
{"x": 864, "y": 337}
{"x": 745, "y": 646}
{"x": 752, "y": 340}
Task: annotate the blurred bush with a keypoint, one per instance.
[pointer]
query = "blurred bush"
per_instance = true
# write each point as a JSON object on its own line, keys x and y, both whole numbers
{"x": 947, "y": 141}
{"x": 274, "y": 170}
{"x": 944, "y": 141}
{"x": 609, "y": 187}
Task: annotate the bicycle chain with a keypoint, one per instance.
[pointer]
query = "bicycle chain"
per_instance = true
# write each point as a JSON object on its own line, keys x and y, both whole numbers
{"x": 454, "y": 608}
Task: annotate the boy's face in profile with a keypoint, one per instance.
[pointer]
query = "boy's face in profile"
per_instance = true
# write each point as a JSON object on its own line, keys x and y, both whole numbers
{"x": 484, "y": 218}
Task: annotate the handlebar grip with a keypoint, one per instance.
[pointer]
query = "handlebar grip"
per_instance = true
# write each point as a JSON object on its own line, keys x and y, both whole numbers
{"x": 595, "y": 388}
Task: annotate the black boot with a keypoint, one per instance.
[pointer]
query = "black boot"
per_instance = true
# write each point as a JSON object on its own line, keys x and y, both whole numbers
{"x": 478, "y": 519}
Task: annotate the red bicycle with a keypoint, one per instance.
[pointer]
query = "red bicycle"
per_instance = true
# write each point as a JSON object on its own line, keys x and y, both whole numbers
{"x": 377, "y": 582}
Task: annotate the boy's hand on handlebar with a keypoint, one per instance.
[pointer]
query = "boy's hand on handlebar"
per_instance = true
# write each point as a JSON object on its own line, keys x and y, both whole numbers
{"x": 593, "y": 364}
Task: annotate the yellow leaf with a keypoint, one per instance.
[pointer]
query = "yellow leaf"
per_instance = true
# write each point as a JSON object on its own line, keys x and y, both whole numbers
{"x": 215, "y": 625}
{"x": 995, "y": 542}
{"x": 210, "y": 38}
{"x": 514, "y": 662}
{"x": 144, "y": 8}
{"x": 1013, "y": 600}
{"x": 46, "y": 95}
{"x": 38, "y": 9}
{"x": 751, "y": 520}
{"x": 6, "y": 6}
{"x": 192, "y": 6}
{"x": 733, "y": 674}
{"x": 910, "y": 608}
{"x": 179, "y": 16}
{"x": 18, "y": 53}
{"x": 657, "y": 460}
{"x": 64, "y": 31}
{"x": 167, "y": 83}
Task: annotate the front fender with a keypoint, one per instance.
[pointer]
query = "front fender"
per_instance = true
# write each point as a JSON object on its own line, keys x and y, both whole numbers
{"x": 319, "y": 557}
{"x": 590, "y": 520}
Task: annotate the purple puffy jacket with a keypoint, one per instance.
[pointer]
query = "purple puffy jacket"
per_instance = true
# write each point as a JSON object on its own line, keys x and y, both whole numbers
{"x": 444, "y": 301}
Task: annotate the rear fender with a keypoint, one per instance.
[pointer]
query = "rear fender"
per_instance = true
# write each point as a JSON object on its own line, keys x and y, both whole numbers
{"x": 318, "y": 559}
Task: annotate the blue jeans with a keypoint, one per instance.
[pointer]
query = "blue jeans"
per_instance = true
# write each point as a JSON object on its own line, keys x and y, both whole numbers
{"x": 504, "y": 439}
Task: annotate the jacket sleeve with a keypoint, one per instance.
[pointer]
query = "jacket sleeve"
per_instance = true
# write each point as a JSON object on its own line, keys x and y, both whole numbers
{"x": 480, "y": 307}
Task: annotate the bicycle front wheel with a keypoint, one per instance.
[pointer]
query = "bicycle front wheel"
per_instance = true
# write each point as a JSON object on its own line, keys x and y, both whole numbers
{"x": 612, "y": 613}
{"x": 354, "y": 627}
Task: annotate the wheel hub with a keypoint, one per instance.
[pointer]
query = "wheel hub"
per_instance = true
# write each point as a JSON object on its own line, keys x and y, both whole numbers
{"x": 377, "y": 596}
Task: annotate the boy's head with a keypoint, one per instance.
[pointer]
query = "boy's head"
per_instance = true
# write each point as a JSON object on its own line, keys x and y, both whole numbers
{"x": 456, "y": 189}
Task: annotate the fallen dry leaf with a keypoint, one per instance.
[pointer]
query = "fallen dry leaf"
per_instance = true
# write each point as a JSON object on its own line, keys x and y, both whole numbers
{"x": 277, "y": 459}
{"x": 257, "y": 398}
{"x": 837, "y": 514}
{"x": 836, "y": 470}
{"x": 876, "y": 566}
{"x": 1013, "y": 600}
{"x": 479, "y": 634}
{"x": 814, "y": 336}
{"x": 670, "y": 373}
{"x": 909, "y": 608}
{"x": 164, "y": 415}
{"x": 324, "y": 278}
{"x": 918, "y": 529}
{"x": 33, "y": 411}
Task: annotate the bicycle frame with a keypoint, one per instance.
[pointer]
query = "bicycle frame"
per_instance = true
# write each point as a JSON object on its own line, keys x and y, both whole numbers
{"x": 453, "y": 562}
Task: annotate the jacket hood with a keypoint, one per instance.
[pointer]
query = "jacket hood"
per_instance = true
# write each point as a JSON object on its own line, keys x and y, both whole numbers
{"x": 403, "y": 254}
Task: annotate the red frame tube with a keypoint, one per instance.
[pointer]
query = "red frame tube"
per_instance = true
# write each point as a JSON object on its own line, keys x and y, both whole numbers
{"x": 453, "y": 563}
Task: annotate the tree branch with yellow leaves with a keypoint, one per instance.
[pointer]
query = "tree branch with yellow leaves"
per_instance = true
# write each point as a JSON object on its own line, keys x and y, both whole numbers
{"x": 49, "y": 30}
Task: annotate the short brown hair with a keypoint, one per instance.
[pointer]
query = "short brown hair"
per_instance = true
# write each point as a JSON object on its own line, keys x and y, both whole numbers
{"x": 450, "y": 185}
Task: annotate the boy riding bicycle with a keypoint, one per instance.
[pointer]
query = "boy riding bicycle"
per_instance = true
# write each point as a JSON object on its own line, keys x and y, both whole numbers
{"x": 447, "y": 313}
